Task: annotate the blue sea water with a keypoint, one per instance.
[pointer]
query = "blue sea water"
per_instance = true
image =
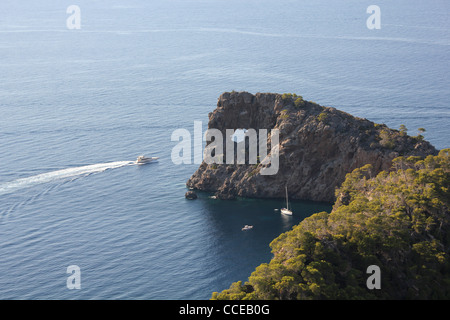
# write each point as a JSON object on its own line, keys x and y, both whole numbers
{"x": 76, "y": 106}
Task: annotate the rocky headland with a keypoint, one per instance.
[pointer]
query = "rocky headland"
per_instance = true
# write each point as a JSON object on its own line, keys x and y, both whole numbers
{"x": 318, "y": 147}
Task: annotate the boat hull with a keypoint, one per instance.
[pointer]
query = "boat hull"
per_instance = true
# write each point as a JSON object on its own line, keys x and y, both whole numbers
{"x": 146, "y": 160}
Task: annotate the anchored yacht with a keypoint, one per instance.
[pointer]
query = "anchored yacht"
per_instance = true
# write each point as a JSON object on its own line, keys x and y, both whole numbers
{"x": 286, "y": 210}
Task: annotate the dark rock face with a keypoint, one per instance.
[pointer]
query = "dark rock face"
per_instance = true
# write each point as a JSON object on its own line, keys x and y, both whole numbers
{"x": 318, "y": 146}
{"x": 190, "y": 195}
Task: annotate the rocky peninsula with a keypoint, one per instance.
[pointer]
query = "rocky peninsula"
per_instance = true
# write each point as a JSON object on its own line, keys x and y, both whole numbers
{"x": 318, "y": 147}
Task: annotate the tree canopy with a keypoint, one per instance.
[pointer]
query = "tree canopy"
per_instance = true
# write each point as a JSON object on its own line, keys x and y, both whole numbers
{"x": 397, "y": 220}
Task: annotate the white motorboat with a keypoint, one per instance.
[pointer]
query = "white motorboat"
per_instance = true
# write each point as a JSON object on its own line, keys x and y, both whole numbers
{"x": 144, "y": 159}
{"x": 247, "y": 227}
{"x": 286, "y": 210}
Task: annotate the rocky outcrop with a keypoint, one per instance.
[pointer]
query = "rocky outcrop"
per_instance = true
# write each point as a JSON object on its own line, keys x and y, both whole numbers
{"x": 318, "y": 146}
{"x": 190, "y": 195}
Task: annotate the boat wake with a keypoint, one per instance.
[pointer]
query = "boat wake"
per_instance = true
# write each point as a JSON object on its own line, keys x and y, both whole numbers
{"x": 70, "y": 173}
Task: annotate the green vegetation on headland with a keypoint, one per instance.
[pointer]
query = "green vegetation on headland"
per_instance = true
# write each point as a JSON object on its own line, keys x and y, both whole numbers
{"x": 398, "y": 221}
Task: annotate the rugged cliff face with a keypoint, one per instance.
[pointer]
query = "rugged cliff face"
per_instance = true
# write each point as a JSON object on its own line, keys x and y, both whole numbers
{"x": 318, "y": 146}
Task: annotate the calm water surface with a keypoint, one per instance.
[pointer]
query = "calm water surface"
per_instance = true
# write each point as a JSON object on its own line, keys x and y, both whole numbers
{"x": 76, "y": 106}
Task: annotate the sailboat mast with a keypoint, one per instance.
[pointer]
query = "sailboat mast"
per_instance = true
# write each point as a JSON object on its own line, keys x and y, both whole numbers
{"x": 287, "y": 202}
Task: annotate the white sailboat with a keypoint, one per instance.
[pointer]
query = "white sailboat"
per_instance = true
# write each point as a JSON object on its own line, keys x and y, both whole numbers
{"x": 286, "y": 210}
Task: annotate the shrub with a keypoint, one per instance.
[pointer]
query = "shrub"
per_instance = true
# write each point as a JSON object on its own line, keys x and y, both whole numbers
{"x": 299, "y": 102}
{"x": 403, "y": 130}
{"x": 284, "y": 114}
{"x": 386, "y": 139}
{"x": 286, "y": 96}
{"x": 419, "y": 136}
{"x": 322, "y": 117}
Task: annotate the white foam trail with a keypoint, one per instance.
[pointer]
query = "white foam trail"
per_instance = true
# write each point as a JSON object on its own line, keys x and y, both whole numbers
{"x": 58, "y": 175}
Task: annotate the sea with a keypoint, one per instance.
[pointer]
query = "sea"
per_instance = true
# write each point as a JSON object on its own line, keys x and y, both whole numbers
{"x": 87, "y": 86}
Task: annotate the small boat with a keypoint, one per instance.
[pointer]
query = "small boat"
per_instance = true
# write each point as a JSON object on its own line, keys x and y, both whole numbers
{"x": 247, "y": 227}
{"x": 286, "y": 210}
{"x": 144, "y": 159}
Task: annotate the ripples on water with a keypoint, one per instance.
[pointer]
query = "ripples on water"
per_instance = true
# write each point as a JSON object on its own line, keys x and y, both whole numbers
{"x": 78, "y": 106}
